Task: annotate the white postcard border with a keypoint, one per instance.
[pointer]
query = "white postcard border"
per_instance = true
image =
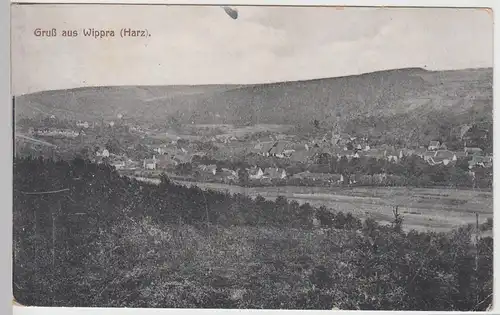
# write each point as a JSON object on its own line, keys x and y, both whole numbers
{"x": 7, "y": 168}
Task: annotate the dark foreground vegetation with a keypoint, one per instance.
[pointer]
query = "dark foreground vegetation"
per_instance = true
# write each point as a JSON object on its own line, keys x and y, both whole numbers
{"x": 84, "y": 236}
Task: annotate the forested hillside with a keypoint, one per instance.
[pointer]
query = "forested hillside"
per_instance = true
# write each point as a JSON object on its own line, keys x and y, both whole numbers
{"x": 414, "y": 92}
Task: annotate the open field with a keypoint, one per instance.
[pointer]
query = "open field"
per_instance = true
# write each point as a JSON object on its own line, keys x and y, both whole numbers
{"x": 423, "y": 208}
{"x": 239, "y": 131}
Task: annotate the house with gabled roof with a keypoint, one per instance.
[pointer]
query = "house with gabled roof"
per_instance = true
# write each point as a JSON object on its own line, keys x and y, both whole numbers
{"x": 149, "y": 164}
{"x": 406, "y": 152}
{"x": 420, "y": 152}
{"x": 264, "y": 148}
{"x": 434, "y": 145}
{"x": 375, "y": 153}
{"x": 255, "y": 173}
{"x": 472, "y": 134}
{"x": 119, "y": 162}
{"x": 459, "y": 155}
{"x": 301, "y": 156}
{"x": 335, "y": 139}
{"x": 445, "y": 154}
{"x": 102, "y": 153}
{"x": 274, "y": 173}
{"x": 82, "y": 124}
{"x": 299, "y": 147}
{"x": 288, "y": 153}
{"x": 325, "y": 138}
{"x": 391, "y": 154}
{"x": 353, "y": 155}
{"x": 337, "y": 152}
{"x": 209, "y": 169}
{"x": 480, "y": 161}
{"x": 427, "y": 155}
{"x": 444, "y": 157}
{"x": 160, "y": 150}
{"x": 464, "y": 129}
{"x": 166, "y": 161}
{"x": 473, "y": 151}
{"x": 278, "y": 149}
{"x": 230, "y": 172}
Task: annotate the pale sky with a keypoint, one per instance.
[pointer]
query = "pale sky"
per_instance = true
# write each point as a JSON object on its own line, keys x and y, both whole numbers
{"x": 202, "y": 45}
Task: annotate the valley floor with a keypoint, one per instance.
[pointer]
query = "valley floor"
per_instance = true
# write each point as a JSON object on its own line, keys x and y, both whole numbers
{"x": 437, "y": 209}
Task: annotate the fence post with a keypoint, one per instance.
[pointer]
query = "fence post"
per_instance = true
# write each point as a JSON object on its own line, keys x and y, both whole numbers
{"x": 476, "y": 267}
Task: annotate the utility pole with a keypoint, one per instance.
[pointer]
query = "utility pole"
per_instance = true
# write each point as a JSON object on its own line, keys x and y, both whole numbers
{"x": 476, "y": 268}
{"x": 53, "y": 240}
{"x": 54, "y": 216}
{"x": 477, "y": 241}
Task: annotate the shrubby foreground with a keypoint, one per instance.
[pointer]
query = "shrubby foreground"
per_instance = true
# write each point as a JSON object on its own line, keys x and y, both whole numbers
{"x": 85, "y": 236}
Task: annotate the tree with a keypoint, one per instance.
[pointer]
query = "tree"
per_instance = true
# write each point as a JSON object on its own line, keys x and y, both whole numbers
{"x": 316, "y": 123}
{"x": 324, "y": 158}
{"x": 165, "y": 180}
{"x": 218, "y": 167}
{"x": 325, "y": 217}
{"x": 305, "y": 216}
{"x": 243, "y": 176}
{"x": 373, "y": 166}
{"x": 113, "y": 146}
{"x": 173, "y": 122}
{"x": 343, "y": 168}
{"x": 184, "y": 168}
{"x": 86, "y": 153}
{"x": 397, "y": 222}
{"x": 459, "y": 177}
{"x": 355, "y": 166}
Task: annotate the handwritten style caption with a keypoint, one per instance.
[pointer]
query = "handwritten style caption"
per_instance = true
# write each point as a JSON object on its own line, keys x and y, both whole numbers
{"x": 91, "y": 33}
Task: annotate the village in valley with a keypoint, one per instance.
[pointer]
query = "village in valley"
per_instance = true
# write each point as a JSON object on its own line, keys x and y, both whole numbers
{"x": 266, "y": 157}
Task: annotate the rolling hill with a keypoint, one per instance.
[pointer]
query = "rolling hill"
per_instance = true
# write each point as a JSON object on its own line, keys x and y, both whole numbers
{"x": 413, "y": 93}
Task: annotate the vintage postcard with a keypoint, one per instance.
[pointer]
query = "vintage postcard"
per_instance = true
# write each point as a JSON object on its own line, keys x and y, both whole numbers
{"x": 253, "y": 157}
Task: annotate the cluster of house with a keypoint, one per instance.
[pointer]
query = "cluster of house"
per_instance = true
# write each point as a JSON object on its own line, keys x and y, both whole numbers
{"x": 171, "y": 154}
{"x": 55, "y": 132}
{"x": 120, "y": 162}
{"x": 162, "y": 161}
{"x": 223, "y": 139}
{"x": 82, "y": 124}
{"x": 436, "y": 153}
{"x": 212, "y": 171}
{"x": 267, "y": 173}
{"x": 339, "y": 178}
{"x": 254, "y": 173}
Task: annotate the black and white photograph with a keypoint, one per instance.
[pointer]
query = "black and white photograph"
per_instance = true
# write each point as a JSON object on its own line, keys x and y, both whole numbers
{"x": 252, "y": 157}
